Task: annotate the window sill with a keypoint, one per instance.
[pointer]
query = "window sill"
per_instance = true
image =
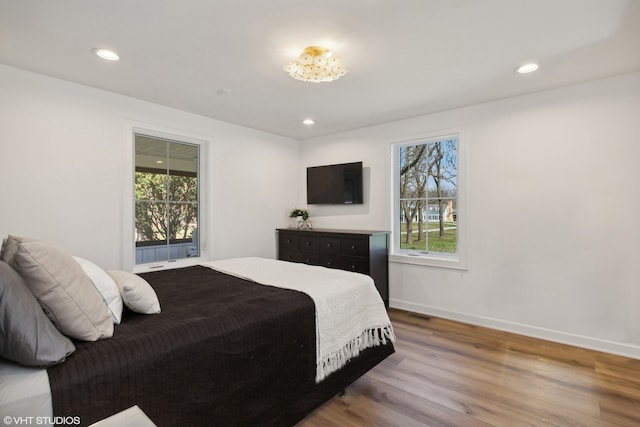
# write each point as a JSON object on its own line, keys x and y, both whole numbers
{"x": 426, "y": 260}
{"x": 168, "y": 265}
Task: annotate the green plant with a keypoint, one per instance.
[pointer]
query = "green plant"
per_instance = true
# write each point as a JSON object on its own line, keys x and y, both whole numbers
{"x": 295, "y": 212}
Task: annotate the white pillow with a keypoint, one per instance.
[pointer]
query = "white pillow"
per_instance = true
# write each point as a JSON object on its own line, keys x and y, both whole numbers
{"x": 137, "y": 293}
{"x": 105, "y": 285}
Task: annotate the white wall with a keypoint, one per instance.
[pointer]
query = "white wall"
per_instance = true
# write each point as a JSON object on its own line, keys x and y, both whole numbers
{"x": 553, "y": 200}
{"x": 63, "y": 151}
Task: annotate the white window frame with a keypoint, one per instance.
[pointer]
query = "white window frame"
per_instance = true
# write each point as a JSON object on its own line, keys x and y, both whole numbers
{"x": 128, "y": 211}
{"x": 457, "y": 261}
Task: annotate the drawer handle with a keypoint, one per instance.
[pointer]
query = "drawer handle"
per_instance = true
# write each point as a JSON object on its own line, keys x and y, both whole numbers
{"x": 353, "y": 267}
{"x": 329, "y": 245}
{"x": 308, "y": 260}
{"x": 288, "y": 241}
{"x": 353, "y": 247}
{"x": 308, "y": 243}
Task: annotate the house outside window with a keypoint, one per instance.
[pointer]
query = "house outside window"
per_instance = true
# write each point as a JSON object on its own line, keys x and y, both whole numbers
{"x": 167, "y": 199}
{"x": 426, "y": 215}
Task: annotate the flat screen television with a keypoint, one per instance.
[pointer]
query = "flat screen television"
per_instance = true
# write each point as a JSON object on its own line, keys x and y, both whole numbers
{"x": 335, "y": 184}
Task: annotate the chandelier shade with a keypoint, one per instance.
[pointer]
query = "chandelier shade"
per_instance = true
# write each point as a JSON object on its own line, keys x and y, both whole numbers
{"x": 316, "y": 64}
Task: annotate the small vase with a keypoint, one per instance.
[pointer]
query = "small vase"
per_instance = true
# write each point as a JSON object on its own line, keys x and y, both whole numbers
{"x": 306, "y": 224}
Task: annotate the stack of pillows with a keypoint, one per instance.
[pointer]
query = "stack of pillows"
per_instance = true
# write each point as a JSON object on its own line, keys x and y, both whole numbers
{"x": 49, "y": 297}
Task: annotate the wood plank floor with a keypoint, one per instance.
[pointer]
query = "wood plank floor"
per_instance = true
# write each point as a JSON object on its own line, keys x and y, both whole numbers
{"x": 446, "y": 373}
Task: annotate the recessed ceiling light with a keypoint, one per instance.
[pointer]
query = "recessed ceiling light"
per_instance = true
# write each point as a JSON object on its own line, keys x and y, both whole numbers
{"x": 308, "y": 122}
{"x": 528, "y": 68}
{"x": 107, "y": 54}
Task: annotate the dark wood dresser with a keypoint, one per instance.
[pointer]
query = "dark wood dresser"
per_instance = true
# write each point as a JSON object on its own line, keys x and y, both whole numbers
{"x": 362, "y": 251}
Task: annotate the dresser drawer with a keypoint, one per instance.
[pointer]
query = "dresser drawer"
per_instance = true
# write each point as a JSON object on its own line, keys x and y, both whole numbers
{"x": 354, "y": 247}
{"x": 329, "y": 245}
{"x": 355, "y": 264}
{"x": 306, "y": 258}
{"x": 288, "y": 242}
{"x": 308, "y": 244}
{"x": 331, "y": 261}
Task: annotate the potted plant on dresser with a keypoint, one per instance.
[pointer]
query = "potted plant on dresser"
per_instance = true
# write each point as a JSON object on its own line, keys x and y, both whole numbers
{"x": 301, "y": 217}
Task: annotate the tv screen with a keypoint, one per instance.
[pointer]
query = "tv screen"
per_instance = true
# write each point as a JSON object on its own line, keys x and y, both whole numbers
{"x": 335, "y": 184}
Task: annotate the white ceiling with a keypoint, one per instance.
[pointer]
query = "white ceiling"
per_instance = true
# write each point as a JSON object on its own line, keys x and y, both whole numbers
{"x": 223, "y": 59}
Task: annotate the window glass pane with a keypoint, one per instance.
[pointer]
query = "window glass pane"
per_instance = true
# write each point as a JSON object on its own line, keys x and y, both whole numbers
{"x": 183, "y": 188}
{"x": 413, "y": 231}
{"x": 183, "y": 226}
{"x": 427, "y": 193}
{"x": 166, "y": 205}
{"x": 150, "y": 221}
{"x": 442, "y": 227}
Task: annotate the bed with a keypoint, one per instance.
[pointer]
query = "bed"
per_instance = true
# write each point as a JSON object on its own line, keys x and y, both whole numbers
{"x": 247, "y": 341}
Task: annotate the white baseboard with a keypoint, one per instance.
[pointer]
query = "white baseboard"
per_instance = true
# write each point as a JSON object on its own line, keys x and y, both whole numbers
{"x": 621, "y": 349}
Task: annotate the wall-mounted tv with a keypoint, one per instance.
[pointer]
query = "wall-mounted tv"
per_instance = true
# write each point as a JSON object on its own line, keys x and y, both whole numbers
{"x": 335, "y": 184}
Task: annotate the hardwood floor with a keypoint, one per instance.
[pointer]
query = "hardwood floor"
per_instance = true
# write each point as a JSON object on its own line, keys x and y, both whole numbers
{"x": 446, "y": 373}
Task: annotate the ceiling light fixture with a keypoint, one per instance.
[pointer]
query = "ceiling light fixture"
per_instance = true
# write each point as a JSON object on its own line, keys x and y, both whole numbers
{"x": 308, "y": 122}
{"x": 528, "y": 68}
{"x": 316, "y": 64}
{"x": 107, "y": 54}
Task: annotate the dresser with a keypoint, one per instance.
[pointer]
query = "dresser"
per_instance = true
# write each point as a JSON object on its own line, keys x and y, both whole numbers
{"x": 362, "y": 251}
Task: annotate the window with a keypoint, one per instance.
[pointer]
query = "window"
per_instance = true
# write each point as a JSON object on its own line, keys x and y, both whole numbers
{"x": 426, "y": 194}
{"x": 166, "y": 199}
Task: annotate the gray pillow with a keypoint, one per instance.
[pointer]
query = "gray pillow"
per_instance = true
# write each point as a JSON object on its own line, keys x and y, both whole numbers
{"x": 27, "y": 336}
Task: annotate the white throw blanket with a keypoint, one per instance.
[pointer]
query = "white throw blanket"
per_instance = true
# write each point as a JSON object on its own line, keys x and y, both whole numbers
{"x": 350, "y": 315}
